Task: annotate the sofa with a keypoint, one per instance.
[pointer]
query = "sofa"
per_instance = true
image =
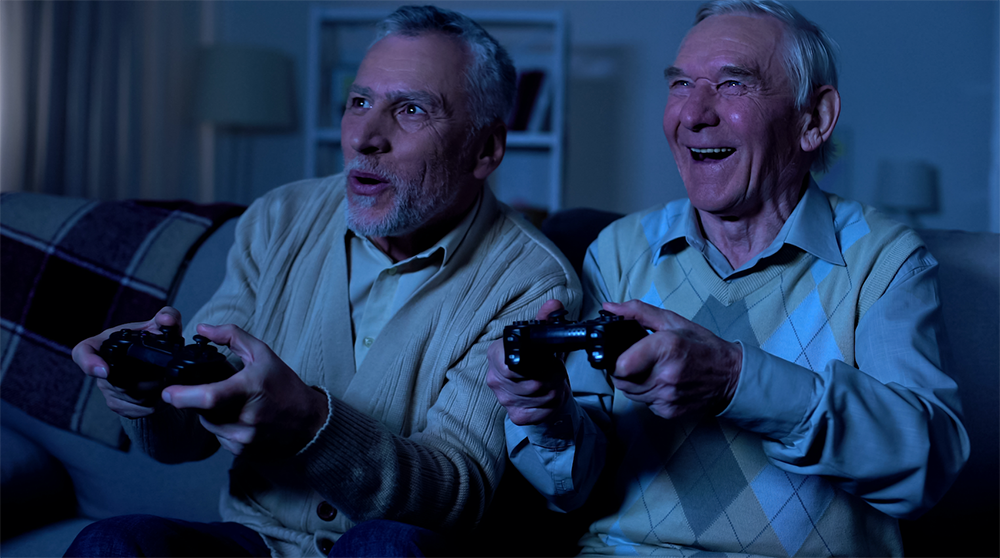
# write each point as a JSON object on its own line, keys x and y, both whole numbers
{"x": 62, "y": 471}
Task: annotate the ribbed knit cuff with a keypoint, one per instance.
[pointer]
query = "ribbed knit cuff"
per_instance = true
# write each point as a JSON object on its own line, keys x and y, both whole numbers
{"x": 329, "y": 417}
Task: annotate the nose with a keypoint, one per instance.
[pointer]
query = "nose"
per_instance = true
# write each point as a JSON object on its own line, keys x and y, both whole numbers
{"x": 366, "y": 133}
{"x": 699, "y": 108}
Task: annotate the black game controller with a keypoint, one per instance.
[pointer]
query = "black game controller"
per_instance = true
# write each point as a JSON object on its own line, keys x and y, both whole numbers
{"x": 536, "y": 344}
{"x": 140, "y": 357}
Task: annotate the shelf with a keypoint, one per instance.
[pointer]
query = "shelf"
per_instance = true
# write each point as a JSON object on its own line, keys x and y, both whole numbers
{"x": 515, "y": 140}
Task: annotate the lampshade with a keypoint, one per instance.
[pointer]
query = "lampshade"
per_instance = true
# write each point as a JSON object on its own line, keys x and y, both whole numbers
{"x": 245, "y": 87}
{"x": 907, "y": 185}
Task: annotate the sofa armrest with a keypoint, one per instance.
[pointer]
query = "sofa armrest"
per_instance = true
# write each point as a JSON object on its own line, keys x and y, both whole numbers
{"x": 205, "y": 271}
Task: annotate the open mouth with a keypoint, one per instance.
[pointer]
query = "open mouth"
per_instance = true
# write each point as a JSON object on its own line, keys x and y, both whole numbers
{"x": 367, "y": 179}
{"x": 711, "y": 153}
{"x": 366, "y": 183}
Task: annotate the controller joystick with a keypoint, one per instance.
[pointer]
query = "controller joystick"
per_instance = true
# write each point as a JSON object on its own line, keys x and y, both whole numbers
{"x": 535, "y": 345}
{"x": 137, "y": 357}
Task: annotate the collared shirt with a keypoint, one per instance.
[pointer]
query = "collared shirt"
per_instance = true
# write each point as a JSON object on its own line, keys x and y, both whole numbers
{"x": 379, "y": 288}
{"x": 559, "y": 458}
{"x": 808, "y": 228}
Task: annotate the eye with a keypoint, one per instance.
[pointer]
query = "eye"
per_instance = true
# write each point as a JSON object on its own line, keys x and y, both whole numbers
{"x": 412, "y": 110}
{"x": 359, "y": 103}
{"x": 732, "y": 87}
{"x": 678, "y": 83}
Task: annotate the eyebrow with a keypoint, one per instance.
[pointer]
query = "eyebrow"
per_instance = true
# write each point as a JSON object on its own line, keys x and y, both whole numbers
{"x": 728, "y": 70}
{"x": 672, "y": 72}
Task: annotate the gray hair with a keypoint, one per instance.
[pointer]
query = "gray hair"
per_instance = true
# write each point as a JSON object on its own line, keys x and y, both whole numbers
{"x": 810, "y": 54}
{"x": 491, "y": 80}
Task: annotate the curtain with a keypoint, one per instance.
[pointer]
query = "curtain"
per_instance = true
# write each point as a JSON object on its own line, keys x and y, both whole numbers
{"x": 95, "y": 98}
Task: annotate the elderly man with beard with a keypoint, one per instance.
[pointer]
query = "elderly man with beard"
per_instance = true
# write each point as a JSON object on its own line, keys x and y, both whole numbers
{"x": 360, "y": 308}
{"x": 789, "y": 399}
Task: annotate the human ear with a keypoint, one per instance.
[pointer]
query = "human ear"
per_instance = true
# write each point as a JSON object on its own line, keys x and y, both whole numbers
{"x": 818, "y": 124}
{"x": 491, "y": 151}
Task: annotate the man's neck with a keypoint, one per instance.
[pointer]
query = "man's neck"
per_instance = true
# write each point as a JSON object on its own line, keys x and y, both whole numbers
{"x": 740, "y": 239}
{"x": 405, "y": 246}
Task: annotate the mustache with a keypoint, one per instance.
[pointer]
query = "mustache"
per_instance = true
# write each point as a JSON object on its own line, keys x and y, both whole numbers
{"x": 371, "y": 166}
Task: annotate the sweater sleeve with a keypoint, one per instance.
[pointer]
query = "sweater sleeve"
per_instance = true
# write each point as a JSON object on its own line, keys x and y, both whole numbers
{"x": 442, "y": 477}
{"x": 170, "y": 435}
{"x": 898, "y": 404}
{"x": 564, "y": 457}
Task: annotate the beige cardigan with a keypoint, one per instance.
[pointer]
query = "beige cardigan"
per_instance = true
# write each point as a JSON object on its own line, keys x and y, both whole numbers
{"x": 415, "y": 434}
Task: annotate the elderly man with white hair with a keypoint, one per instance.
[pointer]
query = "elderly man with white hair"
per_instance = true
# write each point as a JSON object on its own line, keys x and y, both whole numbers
{"x": 789, "y": 399}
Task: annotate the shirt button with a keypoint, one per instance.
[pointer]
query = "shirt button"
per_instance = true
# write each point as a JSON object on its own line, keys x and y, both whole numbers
{"x": 391, "y": 271}
{"x": 326, "y": 511}
{"x": 325, "y": 546}
{"x": 368, "y": 341}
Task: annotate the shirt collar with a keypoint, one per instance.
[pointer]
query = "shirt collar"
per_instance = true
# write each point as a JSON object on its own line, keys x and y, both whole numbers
{"x": 810, "y": 227}
{"x": 443, "y": 249}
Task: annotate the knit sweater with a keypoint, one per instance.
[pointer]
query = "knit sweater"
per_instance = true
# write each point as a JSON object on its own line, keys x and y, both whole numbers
{"x": 766, "y": 476}
{"x": 415, "y": 435}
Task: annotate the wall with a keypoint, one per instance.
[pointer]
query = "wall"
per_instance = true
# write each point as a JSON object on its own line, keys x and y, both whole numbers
{"x": 918, "y": 80}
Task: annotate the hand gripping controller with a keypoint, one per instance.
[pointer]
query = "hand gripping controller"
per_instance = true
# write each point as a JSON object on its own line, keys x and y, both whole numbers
{"x": 136, "y": 356}
{"x": 535, "y": 344}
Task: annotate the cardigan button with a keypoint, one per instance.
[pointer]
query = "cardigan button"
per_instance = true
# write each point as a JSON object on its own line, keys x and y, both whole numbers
{"x": 325, "y": 546}
{"x": 326, "y": 511}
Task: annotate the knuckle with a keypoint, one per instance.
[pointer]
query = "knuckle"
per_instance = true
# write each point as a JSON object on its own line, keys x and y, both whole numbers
{"x": 250, "y": 416}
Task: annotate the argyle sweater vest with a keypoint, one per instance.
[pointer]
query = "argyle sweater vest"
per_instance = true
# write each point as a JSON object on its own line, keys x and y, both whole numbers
{"x": 700, "y": 483}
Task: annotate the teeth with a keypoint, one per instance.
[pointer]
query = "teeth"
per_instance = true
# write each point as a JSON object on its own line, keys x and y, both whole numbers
{"x": 713, "y": 150}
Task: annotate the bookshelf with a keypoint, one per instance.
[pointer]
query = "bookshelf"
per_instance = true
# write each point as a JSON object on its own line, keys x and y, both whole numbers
{"x": 530, "y": 177}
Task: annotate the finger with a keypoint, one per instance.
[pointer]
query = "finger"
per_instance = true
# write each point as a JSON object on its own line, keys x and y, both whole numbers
{"x": 86, "y": 356}
{"x": 86, "y": 353}
{"x": 650, "y": 317}
{"x": 167, "y": 316}
{"x": 636, "y": 363}
{"x": 549, "y": 307}
{"x": 497, "y": 360}
{"x": 229, "y": 392}
{"x": 227, "y": 435}
{"x": 241, "y": 343}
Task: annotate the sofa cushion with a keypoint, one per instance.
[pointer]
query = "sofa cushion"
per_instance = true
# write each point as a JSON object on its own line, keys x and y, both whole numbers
{"x": 111, "y": 482}
{"x": 124, "y": 257}
{"x": 34, "y": 485}
{"x": 964, "y": 522}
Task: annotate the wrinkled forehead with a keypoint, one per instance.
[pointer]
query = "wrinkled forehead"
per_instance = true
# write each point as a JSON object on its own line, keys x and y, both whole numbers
{"x": 733, "y": 40}
{"x": 429, "y": 60}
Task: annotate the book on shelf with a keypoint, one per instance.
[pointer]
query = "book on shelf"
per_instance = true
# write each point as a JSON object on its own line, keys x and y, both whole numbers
{"x": 540, "y": 120}
{"x": 530, "y": 85}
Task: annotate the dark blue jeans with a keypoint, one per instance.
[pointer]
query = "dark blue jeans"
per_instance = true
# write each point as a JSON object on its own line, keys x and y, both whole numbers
{"x": 148, "y": 535}
{"x": 389, "y": 538}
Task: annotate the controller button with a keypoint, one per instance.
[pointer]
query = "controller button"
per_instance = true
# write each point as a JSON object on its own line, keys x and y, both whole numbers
{"x": 326, "y": 511}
